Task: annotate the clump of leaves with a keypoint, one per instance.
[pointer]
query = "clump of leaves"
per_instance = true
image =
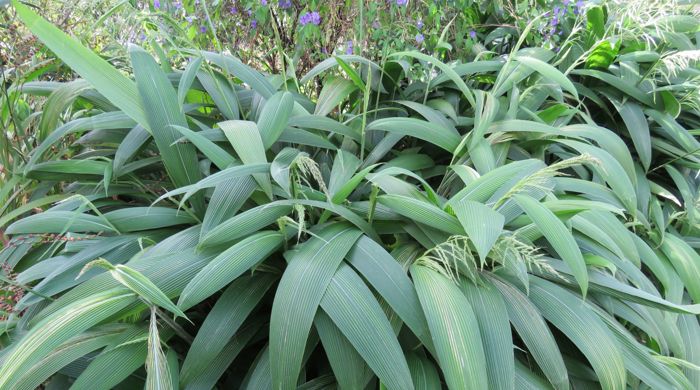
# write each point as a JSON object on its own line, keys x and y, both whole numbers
{"x": 452, "y": 233}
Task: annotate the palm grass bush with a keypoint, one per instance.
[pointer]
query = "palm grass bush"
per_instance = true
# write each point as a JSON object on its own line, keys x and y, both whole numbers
{"x": 501, "y": 224}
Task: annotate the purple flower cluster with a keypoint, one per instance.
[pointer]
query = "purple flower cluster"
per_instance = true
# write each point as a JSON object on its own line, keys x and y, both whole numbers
{"x": 263, "y": 2}
{"x": 284, "y": 4}
{"x": 156, "y": 4}
{"x": 419, "y": 23}
{"x": 419, "y": 38}
{"x": 349, "y": 49}
{"x": 401, "y": 2}
{"x": 310, "y": 17}
{"x": 472, "y": 34}
{"x": 558, "y": 13}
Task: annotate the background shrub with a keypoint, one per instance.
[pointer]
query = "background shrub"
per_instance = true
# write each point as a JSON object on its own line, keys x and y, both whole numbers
{"x": 525, "y": 220}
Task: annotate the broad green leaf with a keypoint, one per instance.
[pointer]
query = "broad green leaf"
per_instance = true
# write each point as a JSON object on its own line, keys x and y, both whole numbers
{"x": 114, "y": 365}
{"x": 559, "y": 236}
{"x": 332, "y": 62}
{"x": 344, "y": 166}
{"x": 59, "y": 100}
{"x": 59, "y": 222}
{"x": 638, "y": 129}
{"x": 483, "y": 188}
{"x": 232, "y": 66}
{"x": 53, "y": 331}
{"x": 616, "y": 82}
{"x": 492, "y": 317}
{"x": 215, "y": 153}
{"x": 423, "y": 212}
{"x": 146, "y": 218}
{"x": 109, "y": 81}
{"x": 68, "y": 170}
{"x": 420, "y": 129}
{"x": 128, "y": 148}
{"x": 389, "y": 279}
{"x": 280, "y": 169}
{"x": 68, "y": 352}
{"x": 446, "y": 70}
{"x": 333, "y": 93}
{"x": 535, "y": 333}
{"x": 525, "y": 379}
{"x": 423, "y": 372}
{"x": 222, "y": 93}
{"x": 208, "y": 378}
{"x": 354, "y": 310}
{"x": 37, "y": 203}
{"x": 349, "y": 370}
{"x": 245, "y": 223}
{"x": 584, "y": 328}
{"x": 187, "y": 79}
{"x": 229, "y": 265}
{"x": 454, "y": 329}
{"x": 549, "y": 72}
{"x": 482, "y": 224}
{"x": 136, "y": 282}
{"x": 686, "y": 261}
{"x": 246, "y": 140}
{"x": 273, "y": 117}
{"x": 323, "y": 123}
{"x": 162, "y": 111}
{"x": 298, "y": 295}
{"x": 223, "y": 322}
{"x": 234, "y": 172}
{"x": 595, "y": 21}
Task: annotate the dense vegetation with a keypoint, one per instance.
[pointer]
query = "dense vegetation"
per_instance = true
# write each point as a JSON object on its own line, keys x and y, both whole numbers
{"x": 519, "y": 215}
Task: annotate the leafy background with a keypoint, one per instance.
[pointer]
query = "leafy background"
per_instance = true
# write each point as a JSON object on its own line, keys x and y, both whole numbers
{"x": 497, "y": 206}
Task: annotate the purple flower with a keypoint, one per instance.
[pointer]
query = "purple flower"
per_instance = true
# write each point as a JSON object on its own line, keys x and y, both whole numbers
{"x": 189, "y": 19}
{"x": 233, "y": 10}
{"x": 315, "y": 18}
{"x": 254, "y": 23}
{"x": 324, "y": 51}
{"x": 401, "y": 2}
{"x": 376, "y": 24}
{"x": 156, "y": 4}
{"x": 263, "y": 2}
{"x": 250, "y": 12}
{"x": 472, "y": 34}
{"x": 578, "y": 7}
{"x": 555, "y": 11}
{"x": 349, "y": 49}
{"x": 419, "y": 38}
{"x": 310, "y": 17}
{"x": 142, "y": 36}
{"x": 284, "y": 4}
{"x": 555, "y": 21}
{"x": 566, "y": 3}
{"x": 419, "y": 23}
{"x": 178, "y": 4}
{"x": 202, "y": 29}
